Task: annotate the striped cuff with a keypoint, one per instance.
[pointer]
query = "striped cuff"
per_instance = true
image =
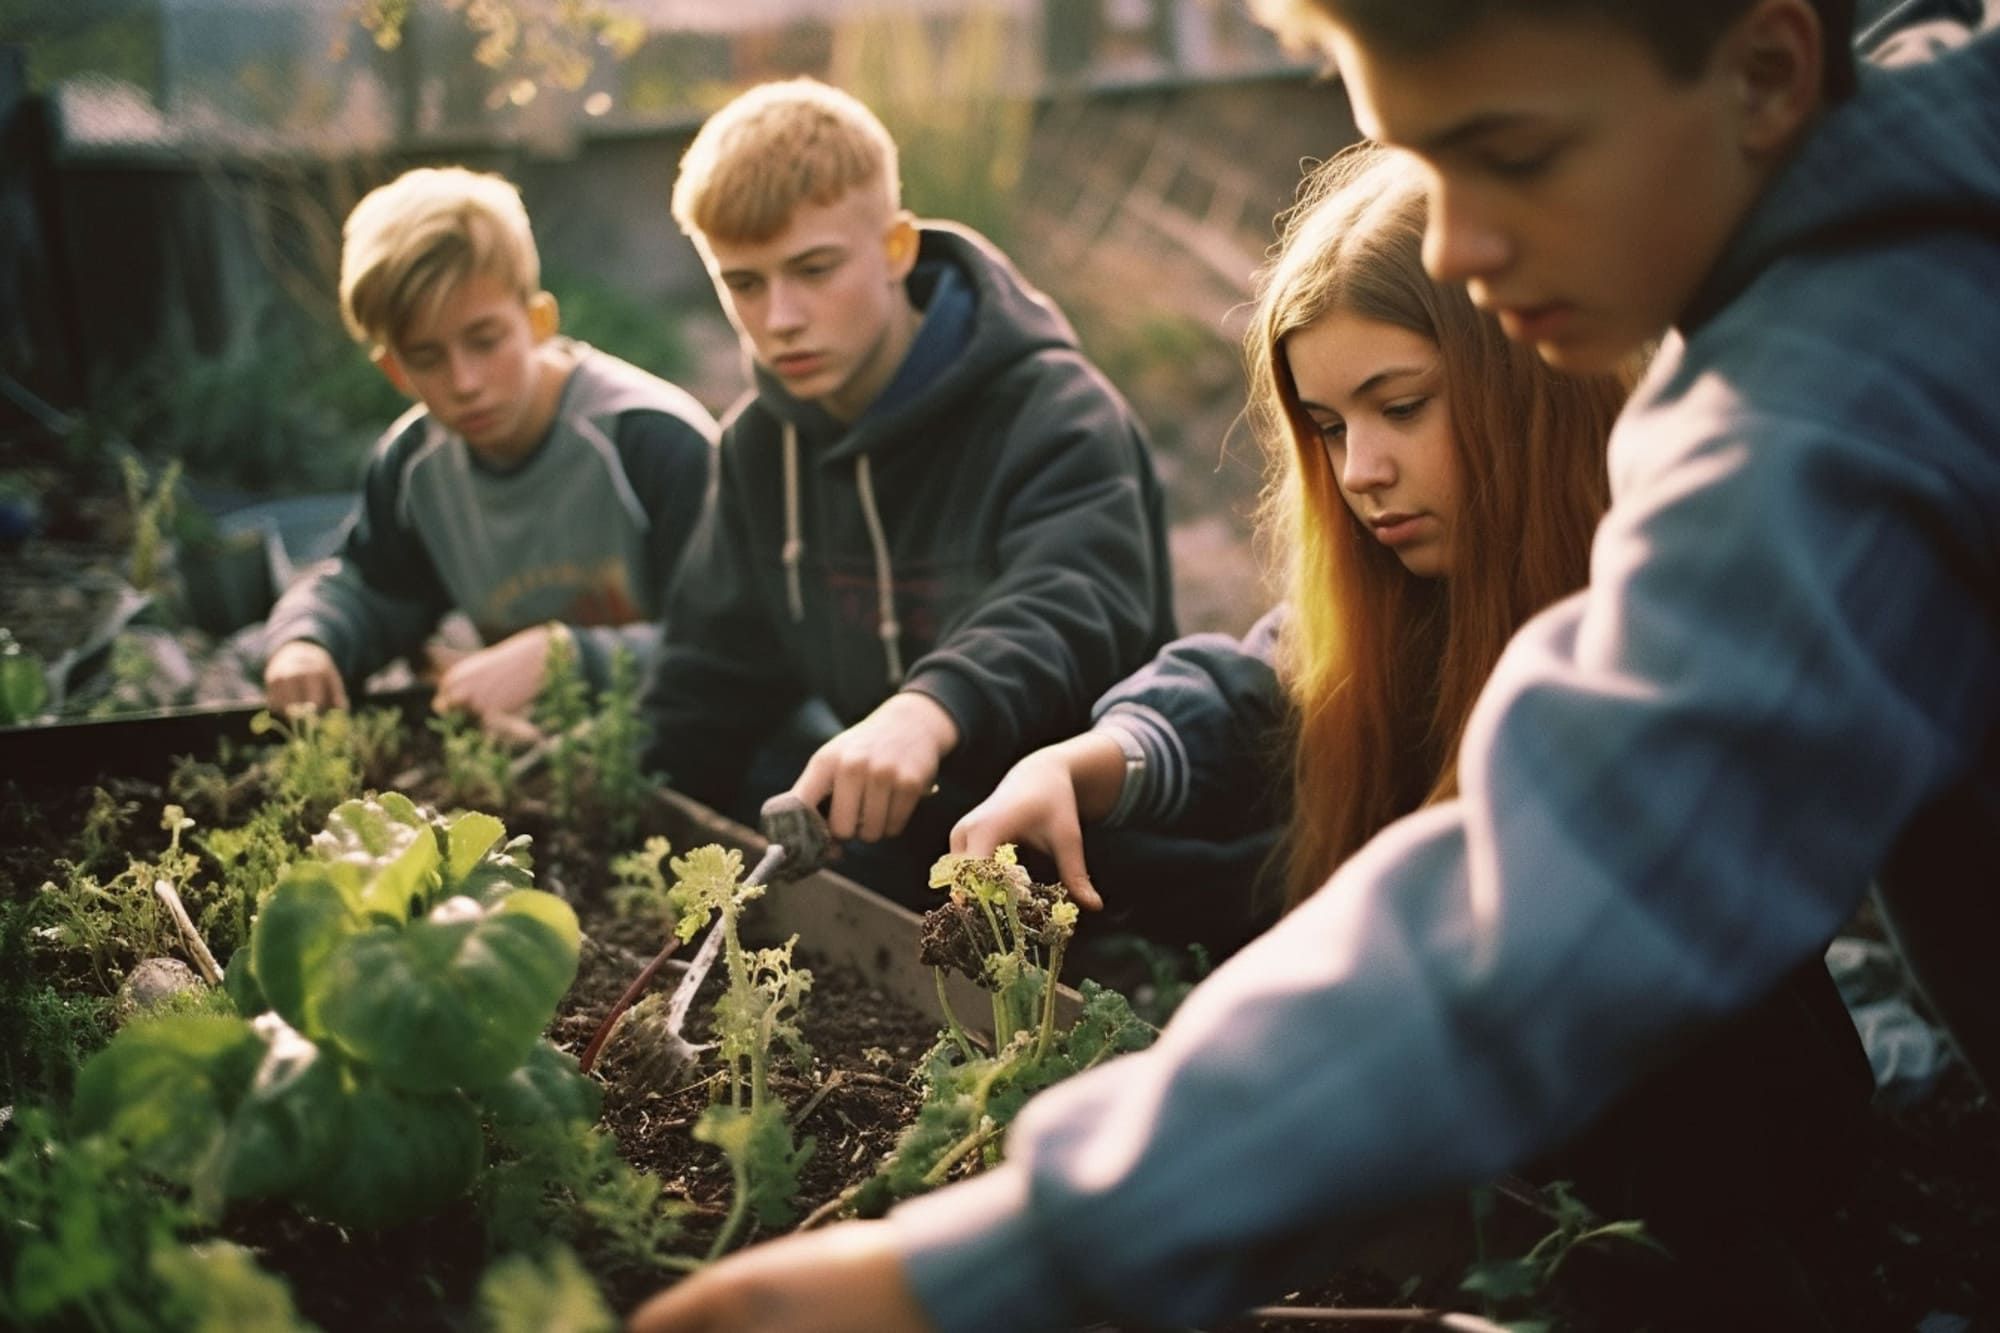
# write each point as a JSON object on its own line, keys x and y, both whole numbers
{"x": 1156, "y": 766}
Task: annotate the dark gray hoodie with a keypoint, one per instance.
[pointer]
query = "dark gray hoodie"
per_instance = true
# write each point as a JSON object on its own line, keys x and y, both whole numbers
{"x": 989, "y": 533}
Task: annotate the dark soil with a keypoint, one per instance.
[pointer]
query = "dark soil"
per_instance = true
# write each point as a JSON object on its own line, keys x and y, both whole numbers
{"x": 1919, "y": 1232}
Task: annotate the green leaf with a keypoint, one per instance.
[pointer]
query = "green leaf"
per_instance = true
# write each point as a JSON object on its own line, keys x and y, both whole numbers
{"x": 456, "y": 1000}
{"x": 24, "y": 689}
{"x": 1502, "y": 1279}
{"x": 546, "y": 1089}
{"x": 404, "y": 1156}
{"x": 550, "y": 1295}
{"x": 239, "y": 982}
{"x": 469, "y": 835}
{"x": 758, "y": 1141}
{"x": 289, "y": 1123}
{"x": 166, "y": 1088}
{"x": 393, "y": 845}
{"x": 496, "y": 872}
{"x": 313, "y": 909}
{"x": 217, "y": 1287}
{"x": 706, "y": 880}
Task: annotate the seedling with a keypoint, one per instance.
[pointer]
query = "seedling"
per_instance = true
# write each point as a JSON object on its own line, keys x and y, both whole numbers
{"x": 24, "y": 687}
{"x": 562, "y": 707}
{"x": 476, "y": 768}
{"x": 1526, "y": 1283}
{"x": 993, "y": 928}
{"x": 756, "y": 1014}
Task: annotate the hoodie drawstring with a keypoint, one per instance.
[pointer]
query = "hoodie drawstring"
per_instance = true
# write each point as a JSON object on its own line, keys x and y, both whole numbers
{"x": 795, "y": 546}
{"x": 885, "y": 587}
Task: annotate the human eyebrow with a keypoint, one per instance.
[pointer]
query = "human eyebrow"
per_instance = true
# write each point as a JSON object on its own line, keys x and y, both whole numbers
{"x": 1383, "y": 376}
{"x": 1470, "y": 129}
{"x": 819, "y": 254}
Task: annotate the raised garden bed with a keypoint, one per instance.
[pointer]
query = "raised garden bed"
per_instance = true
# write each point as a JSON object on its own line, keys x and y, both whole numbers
{"x": 872, "y": 1014}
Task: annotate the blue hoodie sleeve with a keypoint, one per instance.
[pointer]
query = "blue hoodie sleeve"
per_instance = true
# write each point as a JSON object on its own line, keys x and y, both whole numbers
{"x": 1675, "y": 788}
{"x": 1207, "y": 715}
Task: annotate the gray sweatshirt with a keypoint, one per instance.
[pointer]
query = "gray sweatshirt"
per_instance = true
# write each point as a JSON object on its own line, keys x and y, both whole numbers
{"x": 588, "y": 530}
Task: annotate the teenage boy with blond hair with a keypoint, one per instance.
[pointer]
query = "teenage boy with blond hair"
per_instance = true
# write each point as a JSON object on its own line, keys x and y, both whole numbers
{"x": 1783, "y": 682}
{"x": 937, "y": 524}
{"x": 541, "y": 486}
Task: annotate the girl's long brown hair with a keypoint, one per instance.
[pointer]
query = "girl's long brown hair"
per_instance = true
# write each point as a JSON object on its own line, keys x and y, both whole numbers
{"x": 1382, "y": 666}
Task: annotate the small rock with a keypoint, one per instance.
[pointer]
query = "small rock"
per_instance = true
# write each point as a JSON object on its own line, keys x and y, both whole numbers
{"x": 152, "y": 983}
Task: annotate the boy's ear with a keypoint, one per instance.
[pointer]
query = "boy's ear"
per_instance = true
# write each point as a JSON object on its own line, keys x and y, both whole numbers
{"x": 544, "y": 316}
{"x": 901, "y": 242}
{"x": 392, "y": 369}
{"x": 1778, "y": 66}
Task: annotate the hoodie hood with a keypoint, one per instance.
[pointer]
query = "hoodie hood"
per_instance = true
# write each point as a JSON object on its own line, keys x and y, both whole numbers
{"x": 1009, "y": 321}
{"x": 1915, "y": 148}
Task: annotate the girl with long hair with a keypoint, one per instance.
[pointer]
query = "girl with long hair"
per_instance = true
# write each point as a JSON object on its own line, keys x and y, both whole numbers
{"x": 1430, "y": 487}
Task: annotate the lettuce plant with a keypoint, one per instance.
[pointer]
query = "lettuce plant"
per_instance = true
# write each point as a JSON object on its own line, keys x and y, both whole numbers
{"x": 756, "y": 1016}
{"x": 402, "y": 975}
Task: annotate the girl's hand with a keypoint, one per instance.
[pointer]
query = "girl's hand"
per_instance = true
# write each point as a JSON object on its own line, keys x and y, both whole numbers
{"x": 1042, "y": 803}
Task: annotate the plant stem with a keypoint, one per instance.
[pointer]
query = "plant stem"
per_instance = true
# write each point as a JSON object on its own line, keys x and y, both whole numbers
{"x": 951, "y": 1019}
{"x": 961, "y": 1150}
{"x": 739, "y": 1204}
{"x": 1049, "y": 999}
{"x": 831, "y": 1208}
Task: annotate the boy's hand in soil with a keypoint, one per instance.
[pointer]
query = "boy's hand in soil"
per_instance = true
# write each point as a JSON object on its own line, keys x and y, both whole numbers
{"x": 846, "y": 1279}
{"x": 1042, "y": 803}
{"x": 497, "y": 684}
{"x": 301, "y": 673}
{"x": 877, "y": 770}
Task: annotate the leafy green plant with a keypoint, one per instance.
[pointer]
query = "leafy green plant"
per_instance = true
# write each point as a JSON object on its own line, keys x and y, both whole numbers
{"x": 993, "y": 928}
{"x": 110, "y": 925}
{"x": 24, "y": 687}
{"x": 619, "y": 788}
{"x": 405, "y": 972}
{"x": 103, "y": 834}
{"x": 561, "y": 710}
{"x": 286, "y": 403}
{"x": 216, "y": 1287}
{"x": 152, "y": 504}
{"x": 475, "y": 764}
{"x": 252, "y": 857}
{"x": 756, "y": 1016}
{"x": 1523, "y": 1286}
{"x": 547, "y": 1294}
{"x": 50, "y": 1032}
{"x": 322, "y": 759}
{"x": 642, "y": 891}
{"x": 564, "y": 1177}
{"x": 81, "y": 1231}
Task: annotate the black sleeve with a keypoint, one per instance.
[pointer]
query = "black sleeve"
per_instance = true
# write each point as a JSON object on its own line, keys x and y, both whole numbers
{"x": 671, "y": 466}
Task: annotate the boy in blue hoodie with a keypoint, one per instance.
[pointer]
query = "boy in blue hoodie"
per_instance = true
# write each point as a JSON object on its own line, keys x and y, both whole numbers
{"x": 1783, "y": 683}
{"x": 937, "y": 525}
